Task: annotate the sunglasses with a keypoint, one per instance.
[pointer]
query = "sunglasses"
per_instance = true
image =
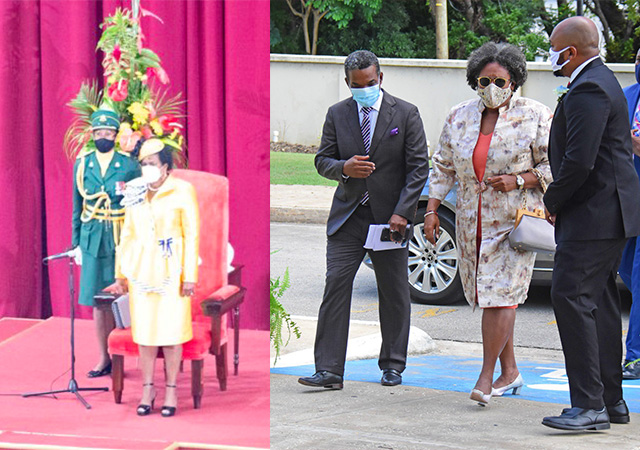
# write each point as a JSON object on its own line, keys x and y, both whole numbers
{"x": 498, "y": 81}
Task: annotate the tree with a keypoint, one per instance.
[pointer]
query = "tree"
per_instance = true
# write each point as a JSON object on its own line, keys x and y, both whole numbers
{"x": 404, "y": 31}
{"x": 341, "y": 11}
{"x": 519, "y": 22}
{"x": 620, "y": 20}
{"x": 406, "y": 28}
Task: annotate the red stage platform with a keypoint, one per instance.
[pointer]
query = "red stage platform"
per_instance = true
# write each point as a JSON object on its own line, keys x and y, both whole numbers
{"x": 34, "y": 357}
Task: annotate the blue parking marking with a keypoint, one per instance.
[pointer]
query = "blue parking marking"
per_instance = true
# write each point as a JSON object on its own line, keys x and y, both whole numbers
{"x": 544, "y": 382}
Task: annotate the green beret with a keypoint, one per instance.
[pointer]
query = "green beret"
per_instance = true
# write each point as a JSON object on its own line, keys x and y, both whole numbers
{"x": 105, "y": 119}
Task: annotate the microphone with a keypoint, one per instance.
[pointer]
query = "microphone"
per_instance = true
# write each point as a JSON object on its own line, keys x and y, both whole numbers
{"x": 67, "y": 254}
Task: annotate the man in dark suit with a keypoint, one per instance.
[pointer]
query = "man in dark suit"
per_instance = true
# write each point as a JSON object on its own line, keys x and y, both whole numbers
{"x": 592, "y": 202}
{"x": 374, "y": 145}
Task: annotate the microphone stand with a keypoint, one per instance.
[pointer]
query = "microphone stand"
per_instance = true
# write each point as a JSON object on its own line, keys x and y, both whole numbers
{"x": 73, "y": 384}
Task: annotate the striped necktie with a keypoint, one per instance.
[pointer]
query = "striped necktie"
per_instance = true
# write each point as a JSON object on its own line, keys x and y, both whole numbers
{"x": 365, "y": 128}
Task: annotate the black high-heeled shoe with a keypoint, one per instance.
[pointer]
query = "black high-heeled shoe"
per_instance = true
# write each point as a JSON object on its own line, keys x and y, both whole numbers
{"x": 168, "y": 411}
{"x": 106, "y": 370}
{"x": 145, "y": 410}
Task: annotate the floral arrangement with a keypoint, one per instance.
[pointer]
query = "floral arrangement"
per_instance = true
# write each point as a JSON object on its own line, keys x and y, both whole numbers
{"x": 133, "y": 88}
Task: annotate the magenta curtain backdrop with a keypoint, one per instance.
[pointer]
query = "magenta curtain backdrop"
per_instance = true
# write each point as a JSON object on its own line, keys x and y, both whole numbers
{"x": 215, "y": 52}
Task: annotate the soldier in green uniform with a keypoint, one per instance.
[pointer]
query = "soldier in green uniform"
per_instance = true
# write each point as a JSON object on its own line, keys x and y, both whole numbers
{"x": 99, "y": 177}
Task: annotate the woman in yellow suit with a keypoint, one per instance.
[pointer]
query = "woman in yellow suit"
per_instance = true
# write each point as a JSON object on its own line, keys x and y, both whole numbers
{"x": 157, "y": 263}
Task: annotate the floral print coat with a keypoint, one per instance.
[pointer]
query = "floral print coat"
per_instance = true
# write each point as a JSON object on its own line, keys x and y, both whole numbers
{"x": 519, "y": 143}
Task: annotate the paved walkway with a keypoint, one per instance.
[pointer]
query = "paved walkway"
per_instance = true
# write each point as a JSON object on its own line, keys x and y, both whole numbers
{"x": 431, "y": 410}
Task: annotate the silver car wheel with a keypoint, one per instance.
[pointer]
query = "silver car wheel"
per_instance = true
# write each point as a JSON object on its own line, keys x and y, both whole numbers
{"x": 432, "y": 269}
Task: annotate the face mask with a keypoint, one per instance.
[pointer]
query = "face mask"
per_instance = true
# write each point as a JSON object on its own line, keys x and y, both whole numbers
{"x": 638, "y": 73}
{"x": 553, "y": 59}
{"x": 492, "y": 96}
{"x": 151, "y": 174}
{"x": 366, "y": 96}
{"x": 104, "y": 145}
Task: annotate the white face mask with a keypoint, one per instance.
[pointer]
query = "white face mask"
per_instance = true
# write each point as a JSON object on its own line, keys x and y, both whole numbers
{"x": 151, "y": 174}
{"x": 553, "y": 59}
{"x": 492, "y": 96}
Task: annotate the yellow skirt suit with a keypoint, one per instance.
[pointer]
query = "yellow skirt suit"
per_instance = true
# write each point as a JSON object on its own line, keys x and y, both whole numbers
{"x": 158, "y": 251}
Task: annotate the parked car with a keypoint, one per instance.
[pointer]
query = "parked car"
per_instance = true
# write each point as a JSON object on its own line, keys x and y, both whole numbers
{"x": 434, "y": 277}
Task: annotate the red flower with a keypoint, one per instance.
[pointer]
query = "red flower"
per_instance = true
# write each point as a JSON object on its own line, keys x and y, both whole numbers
{"x": 167, "y": 122}
{"x": 117, "y": 53}
{"x": 159, "y": 73}
{"x": 119, "y": 91}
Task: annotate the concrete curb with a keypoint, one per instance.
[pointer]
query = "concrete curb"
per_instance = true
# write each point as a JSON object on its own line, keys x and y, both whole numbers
{"x": 364, "y": 342}
{"x": 299, "y": 215}
{"x": 300, "y": 204}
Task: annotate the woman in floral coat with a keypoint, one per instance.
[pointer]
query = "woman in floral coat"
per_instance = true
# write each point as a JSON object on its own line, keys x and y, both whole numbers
{"x": 495, "y": 148}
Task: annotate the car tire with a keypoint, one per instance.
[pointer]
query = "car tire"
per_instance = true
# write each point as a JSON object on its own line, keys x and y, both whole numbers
{"x": 434, "y": 276}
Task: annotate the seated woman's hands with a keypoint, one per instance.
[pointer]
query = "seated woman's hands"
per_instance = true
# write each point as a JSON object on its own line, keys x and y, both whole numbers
{"x": 120, "y": 287}
{"x": 188, "y": 289}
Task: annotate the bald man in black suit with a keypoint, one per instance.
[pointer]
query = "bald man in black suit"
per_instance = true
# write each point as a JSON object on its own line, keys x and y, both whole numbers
{"x": 593, "y": 204}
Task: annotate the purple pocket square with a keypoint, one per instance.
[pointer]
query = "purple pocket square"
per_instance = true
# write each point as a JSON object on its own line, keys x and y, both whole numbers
{"x": 394, "y": 132}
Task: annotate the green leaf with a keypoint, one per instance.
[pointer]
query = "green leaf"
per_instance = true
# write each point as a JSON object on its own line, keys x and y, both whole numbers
{"x": 279, "y": 316}
{"x": 147, "y": 53}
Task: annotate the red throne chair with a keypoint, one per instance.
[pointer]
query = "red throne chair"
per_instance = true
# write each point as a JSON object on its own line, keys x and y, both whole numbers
{"x": 217, "y": 293}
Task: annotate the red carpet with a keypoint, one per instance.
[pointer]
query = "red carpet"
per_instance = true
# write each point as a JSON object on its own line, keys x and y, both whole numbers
{"x": 9, "y": 327}
{"x": 35, "y": 359}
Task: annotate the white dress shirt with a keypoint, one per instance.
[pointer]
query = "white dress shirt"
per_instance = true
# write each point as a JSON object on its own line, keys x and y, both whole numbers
{"x": 373, "y": 118}
{"x": 580, "y": 67}
{"x": 373, "y": 114}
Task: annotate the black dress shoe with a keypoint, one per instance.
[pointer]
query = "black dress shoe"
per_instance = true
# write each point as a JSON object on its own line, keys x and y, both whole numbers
{"x": 391, "y": 377}
{"x": 631, "y": 370}
{"x": 618, "y": 413}
{"x": 106, "y": 370}
{"x": 579, "y": 419}
{"x": 323, "y": 379}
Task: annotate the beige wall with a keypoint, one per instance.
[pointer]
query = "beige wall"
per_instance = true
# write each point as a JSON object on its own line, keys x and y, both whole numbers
{"x": 303, "y": 88}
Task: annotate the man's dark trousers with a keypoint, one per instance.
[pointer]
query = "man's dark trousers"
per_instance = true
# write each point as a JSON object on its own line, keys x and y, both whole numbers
{"x": 594, "y": 196}
{"x": 344, "y": 256}
{"x": 587, "y": 308}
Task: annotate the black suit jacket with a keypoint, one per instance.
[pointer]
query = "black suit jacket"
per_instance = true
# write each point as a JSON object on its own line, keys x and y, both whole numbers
{"x": 398, "y": 149}
{"x": 595, "y": 189}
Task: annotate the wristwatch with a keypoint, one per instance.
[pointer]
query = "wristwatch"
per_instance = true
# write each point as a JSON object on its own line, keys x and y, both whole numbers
{"x": 520, "y": 182}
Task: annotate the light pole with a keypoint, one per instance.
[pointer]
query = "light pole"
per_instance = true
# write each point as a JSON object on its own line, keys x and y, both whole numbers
{"x": 442, "y": 38}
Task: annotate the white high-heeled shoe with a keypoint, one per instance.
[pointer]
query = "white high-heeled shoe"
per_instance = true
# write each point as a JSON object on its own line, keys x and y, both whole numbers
{"x": 516, "y": 387}
{"x": 480, "y": 397}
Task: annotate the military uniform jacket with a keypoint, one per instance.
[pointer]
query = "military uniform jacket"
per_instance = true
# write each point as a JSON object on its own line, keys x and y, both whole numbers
{"x": 91, "y": 223}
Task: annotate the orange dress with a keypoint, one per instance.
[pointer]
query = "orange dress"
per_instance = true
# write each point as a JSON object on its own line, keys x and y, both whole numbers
{"x": 480, "y": 153}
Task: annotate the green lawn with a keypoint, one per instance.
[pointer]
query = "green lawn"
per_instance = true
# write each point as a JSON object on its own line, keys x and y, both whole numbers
{"x": 296, "y": 168}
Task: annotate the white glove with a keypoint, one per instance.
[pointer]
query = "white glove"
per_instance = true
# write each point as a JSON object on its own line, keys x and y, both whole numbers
{"x": 76, "y": 254}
